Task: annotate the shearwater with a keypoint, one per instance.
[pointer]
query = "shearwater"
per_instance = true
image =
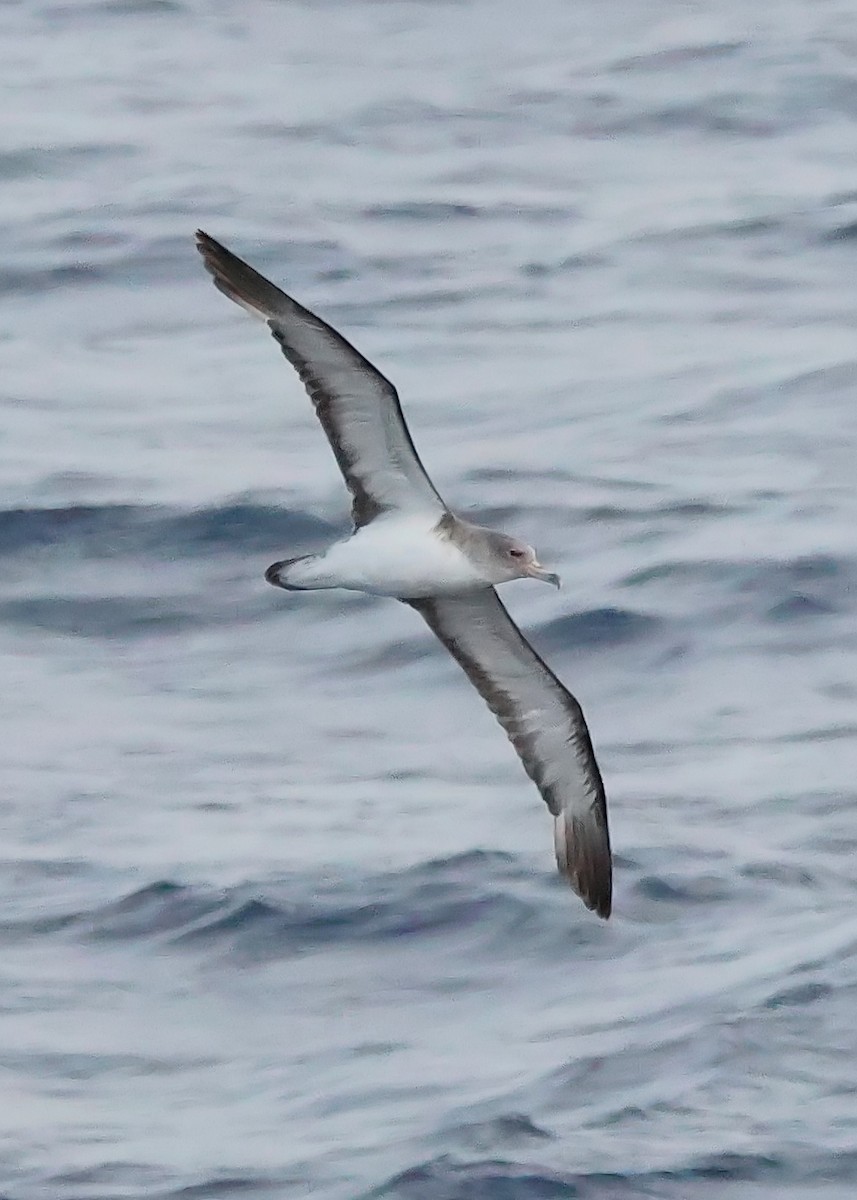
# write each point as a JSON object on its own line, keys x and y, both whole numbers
{"x": 407, "y": 544}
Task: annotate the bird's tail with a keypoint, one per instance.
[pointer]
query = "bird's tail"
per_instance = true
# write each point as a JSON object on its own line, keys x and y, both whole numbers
{"x": 296, "y": 574}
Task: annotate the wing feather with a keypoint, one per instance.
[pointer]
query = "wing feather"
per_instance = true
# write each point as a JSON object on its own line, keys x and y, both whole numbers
{"x": 358, "y": 408}
{"x": 545, "y": 724}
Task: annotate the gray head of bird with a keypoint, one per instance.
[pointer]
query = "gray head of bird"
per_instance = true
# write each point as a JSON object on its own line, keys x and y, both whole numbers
{"x": 510, "y": 558}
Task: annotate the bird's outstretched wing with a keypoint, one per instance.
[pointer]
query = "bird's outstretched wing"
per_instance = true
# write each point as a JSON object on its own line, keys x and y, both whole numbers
{"x": 358, "y": 408}
{"x": 545, "y": 725}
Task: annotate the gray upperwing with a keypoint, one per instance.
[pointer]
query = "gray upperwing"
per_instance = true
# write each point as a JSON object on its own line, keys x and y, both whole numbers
{"x": 358, "y": 408}
{"x": 545, "y": 724}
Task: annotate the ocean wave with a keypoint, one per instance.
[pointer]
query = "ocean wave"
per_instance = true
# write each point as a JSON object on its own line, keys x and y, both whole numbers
{"x": 127, "y": 1178}
{"x": 117, "y": 530}
{"x": 104, "y": 616}
{"x": 491, "y": 893}
{"x": 447, "y": 1178}
{"x": 495, "y": 1179}
{"x": 670, "y": 57}
{"x": 792, "y": 589}
{"x": 131, "y": 571}
{"x": 599, "y": 627}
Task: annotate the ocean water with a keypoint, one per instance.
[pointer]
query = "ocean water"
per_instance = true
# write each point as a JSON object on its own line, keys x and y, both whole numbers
{"x": 278, "y": 910}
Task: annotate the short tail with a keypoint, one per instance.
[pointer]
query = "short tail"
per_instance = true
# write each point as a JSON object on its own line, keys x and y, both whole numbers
{"x": 287, "y": 574}
{"x": 582, "y": 845}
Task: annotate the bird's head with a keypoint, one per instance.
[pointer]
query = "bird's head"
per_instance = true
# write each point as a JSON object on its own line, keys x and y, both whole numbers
{"x": 514, "y": 559}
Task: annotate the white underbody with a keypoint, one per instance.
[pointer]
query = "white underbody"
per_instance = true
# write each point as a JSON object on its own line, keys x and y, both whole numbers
{"x": 399, "y": 556}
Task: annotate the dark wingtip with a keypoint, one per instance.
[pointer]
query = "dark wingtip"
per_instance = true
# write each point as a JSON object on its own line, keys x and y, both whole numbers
{"x": 205, "y": 243}
{"x": 238, "y": 280}
{"x": 214, "y": 256}
{"x": 583, "y": 856}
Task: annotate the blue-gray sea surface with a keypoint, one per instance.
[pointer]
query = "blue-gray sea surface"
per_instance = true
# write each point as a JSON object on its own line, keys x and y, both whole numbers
{"x": 278, "y": 909}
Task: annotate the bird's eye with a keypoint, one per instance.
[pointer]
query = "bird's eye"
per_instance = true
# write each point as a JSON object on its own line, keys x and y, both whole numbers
{"x": 516, "y": 553}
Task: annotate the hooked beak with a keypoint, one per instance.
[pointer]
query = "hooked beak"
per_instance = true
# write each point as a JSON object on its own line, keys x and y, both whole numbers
{"x": 538, "y": 572}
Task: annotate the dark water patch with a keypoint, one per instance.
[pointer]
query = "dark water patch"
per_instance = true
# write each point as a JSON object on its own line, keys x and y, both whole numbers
{"x": 793, "y": 590}
{"x": 129, "y": 7}
{"x": 500, "y": 1133}
{"x": 247, "y": 527}
{"x": 678, "y": 56}
{"x": 839, "y": 379}
{"x": 681, "y": 509}
{"x": 46, "y": 280}
{"x": 131, "y": 1179}
{"x": 743, "y": 573}
{"x": 702, "y": 889}
{"x": 227, "y": 605}
{"x": 428, "y": 210}
{"x": 435, "y": 211}
{"x": 542, "y": 268}
{"x": 509, "y": 516}
{"x": 799, "y": 996}
{"x": 846, "y": 232}
{"x": 442, "y": 897}
{"x": 528, "y": 514}
{"x": 451, "y": 895}
{"x": 38, "y": 162}
{"x": 251, "y": 924}
{"x": 241, "y": 1185}
{"x": 160, "y": 907}
{"x": 692, "y": 508}
{"x": 505, "y": 474}
{"x": 494, "y": 1179}
{"x": 785, "y": 873}
{"x": 152, "y": 544}
{"x": 450, "y": 1178}
{"x": 598, "y": 627}
{"x": 409, "y": 267}
{"x": 799, "y": 607}
{"x": 423, "y": 116}
{"x": 319, "y": 133}
{"x": 113, "y": 1175}
{"x": 849, "y": 196}
{"x": 727, "y": 115}
{"x": 100, "y": 617}
{"x": 803, "y": 588}
{"x": 20, "y": 164}
{"x": 78, "y": 13}
{"x": 46, "y": 868}
{"x": 91, "y": 1066}
{"x": 89, "y": 237}
{"x": 421, "y": 301}
{"x": 738, "y": 227}
{"x": 729, "y": 1166}
{"x": 125, "y": 530}
{"x": 803, "y": 392}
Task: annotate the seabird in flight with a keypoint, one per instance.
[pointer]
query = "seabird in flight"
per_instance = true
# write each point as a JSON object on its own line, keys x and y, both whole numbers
{"x": 407, "y": 544}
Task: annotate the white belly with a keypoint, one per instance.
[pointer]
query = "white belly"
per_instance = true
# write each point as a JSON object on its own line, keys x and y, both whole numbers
{"x": 398, "y": 556}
